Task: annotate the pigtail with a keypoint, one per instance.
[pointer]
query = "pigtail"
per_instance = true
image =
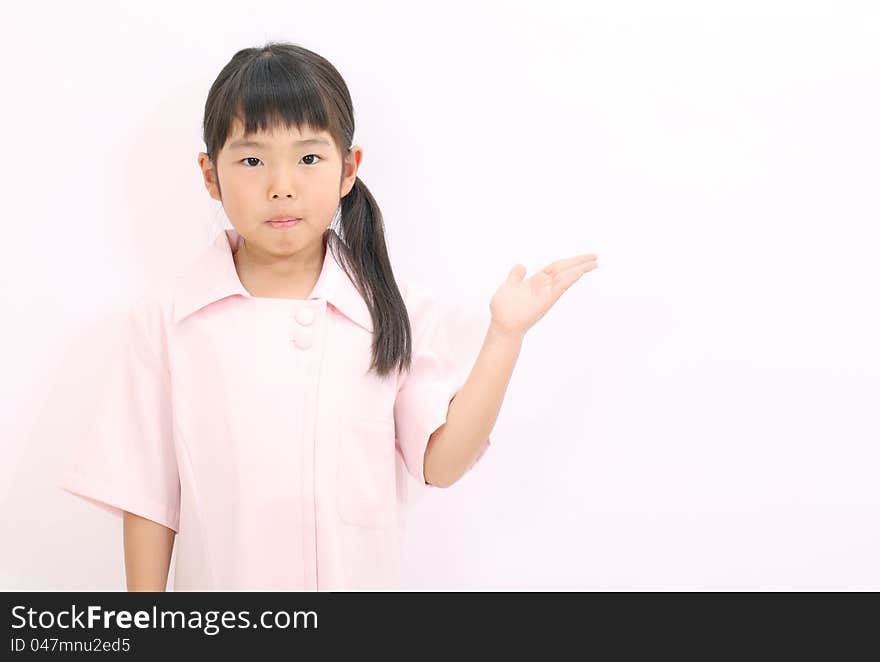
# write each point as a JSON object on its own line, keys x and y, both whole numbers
{"x": 367, "y": 262}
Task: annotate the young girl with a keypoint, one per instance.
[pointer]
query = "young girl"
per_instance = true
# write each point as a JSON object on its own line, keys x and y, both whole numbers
{"x": 268, "y": 407}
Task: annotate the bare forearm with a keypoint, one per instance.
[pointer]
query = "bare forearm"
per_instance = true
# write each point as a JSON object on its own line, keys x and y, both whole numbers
{"x": 517, "y": 306}
{"x": 148, "y": 548}
{"x": 454, "y": 446}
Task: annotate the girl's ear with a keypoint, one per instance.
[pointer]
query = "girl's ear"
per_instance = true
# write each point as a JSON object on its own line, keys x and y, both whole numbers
{"x": 210, "y": 175}
{"x": 349, "y": 169}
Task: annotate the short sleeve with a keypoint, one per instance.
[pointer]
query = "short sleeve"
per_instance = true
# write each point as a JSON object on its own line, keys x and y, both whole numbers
{"x": 436, "y": 375}
{"x": 125, "y": 460}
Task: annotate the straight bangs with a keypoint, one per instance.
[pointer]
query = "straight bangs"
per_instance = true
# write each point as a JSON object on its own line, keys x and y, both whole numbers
{"x": 268, "y": 93}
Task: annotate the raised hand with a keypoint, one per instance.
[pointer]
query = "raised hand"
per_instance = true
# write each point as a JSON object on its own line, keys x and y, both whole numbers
{"x": 519, "y": 303}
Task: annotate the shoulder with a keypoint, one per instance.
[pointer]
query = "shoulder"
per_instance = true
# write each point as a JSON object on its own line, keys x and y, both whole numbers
{"x": 153, "y": 302}
{"x": 423, "y": 305}
{"x": 419, "y": 298}
{"x": 149, "y": 310}
{"x": 148, "y": 315}
{"x": 443, "y": 318}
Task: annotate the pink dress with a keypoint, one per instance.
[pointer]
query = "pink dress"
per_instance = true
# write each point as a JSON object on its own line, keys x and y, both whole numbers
{"x": 251, "y": 427}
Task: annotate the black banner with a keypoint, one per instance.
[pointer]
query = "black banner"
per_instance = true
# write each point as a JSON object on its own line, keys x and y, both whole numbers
{"x": 275, "y": 625}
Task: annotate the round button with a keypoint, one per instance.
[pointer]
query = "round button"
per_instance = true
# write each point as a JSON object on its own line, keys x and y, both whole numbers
{"x": 305, "y": 315}
{"x": 303, "y": 338}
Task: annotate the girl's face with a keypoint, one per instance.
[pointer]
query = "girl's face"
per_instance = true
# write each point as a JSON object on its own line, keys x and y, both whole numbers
{"x": 280, "y": 173}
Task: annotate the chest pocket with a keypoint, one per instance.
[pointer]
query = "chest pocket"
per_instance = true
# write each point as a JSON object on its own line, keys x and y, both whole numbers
{"x": 366, "y": 490}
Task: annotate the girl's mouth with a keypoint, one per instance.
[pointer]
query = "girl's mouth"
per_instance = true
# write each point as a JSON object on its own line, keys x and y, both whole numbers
{"x": 285, "y": 224}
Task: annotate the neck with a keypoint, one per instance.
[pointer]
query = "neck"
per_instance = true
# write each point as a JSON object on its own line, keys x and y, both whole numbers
{"x": 285, "y": 277}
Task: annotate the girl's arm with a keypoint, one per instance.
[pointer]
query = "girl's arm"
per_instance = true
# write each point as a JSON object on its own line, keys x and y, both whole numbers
{"x": 148, "y": 548}
{"x": 454, "y": 446}
{"x": 517, "y": 305}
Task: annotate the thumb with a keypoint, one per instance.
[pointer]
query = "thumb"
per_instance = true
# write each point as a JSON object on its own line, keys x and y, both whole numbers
{"x": 516, "y": 274}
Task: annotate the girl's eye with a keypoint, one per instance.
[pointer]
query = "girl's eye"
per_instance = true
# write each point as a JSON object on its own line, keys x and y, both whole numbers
{"x": 254, "y": 158}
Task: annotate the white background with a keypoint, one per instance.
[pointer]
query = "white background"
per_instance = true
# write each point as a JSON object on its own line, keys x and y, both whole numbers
{"x": 699, "y": 413}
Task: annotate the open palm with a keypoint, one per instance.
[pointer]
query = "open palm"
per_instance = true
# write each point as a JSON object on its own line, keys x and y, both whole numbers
{"x": 519, "y": 303}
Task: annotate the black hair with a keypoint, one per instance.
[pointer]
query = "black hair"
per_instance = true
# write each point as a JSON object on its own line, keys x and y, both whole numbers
{"x": 284, "y": 84}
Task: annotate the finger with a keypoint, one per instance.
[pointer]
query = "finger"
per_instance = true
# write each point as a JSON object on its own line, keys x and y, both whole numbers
{"x": 547, "y": 280}
{"x": 567, "y": 277}
{"x": 577, "y": 268}
{"x": 517, "y": 273}
{"x": 560, "y": 265}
